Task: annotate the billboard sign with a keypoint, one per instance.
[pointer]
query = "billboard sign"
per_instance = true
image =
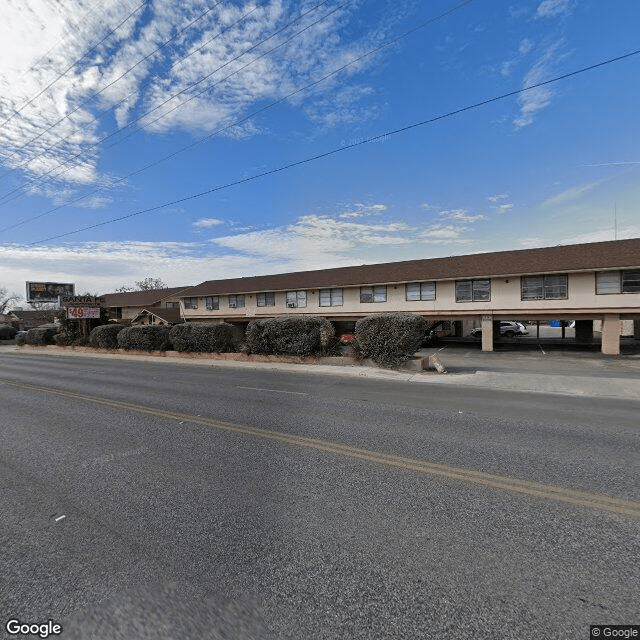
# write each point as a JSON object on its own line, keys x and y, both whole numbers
{"x": 80, "y": 313}
{"x": 48, "y": 291}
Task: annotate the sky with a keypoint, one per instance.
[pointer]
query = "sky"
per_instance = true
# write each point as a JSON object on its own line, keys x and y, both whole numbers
{"x": 200, "y": 140}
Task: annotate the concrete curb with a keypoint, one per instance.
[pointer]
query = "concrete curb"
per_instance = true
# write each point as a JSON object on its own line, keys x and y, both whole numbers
{"x": 548, "y": 383}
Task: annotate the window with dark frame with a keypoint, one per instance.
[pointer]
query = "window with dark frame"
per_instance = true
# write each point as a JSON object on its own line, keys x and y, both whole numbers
{"x": 171, "y": 305}
{"x": 212, "y": 303}
{"x": 473, "y": 290}
{"x": 190, "y": 303}
{"x": 236, "y": 301}
{"x": 296, "y": 299}
{"x": 330, "y": 297}
{"x": 266, "y": 299}
{"x": 421, "y": 291}
{"x": 627, "y": 281}
{"x": 544, "y": 287}
{"x": 373, "y": 294}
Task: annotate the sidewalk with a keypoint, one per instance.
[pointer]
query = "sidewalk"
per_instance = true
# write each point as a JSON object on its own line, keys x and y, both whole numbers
{"x": 563, "y": 373}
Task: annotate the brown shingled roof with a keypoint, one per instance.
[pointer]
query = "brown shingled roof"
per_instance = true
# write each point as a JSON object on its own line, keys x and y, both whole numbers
{"x": 142, "y": 298}
{"x": 169, "y": 315}
{"x": 579, "y": 257}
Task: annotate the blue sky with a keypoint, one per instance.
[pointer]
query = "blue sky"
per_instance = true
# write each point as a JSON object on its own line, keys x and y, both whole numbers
{"x": 212, "y": 93}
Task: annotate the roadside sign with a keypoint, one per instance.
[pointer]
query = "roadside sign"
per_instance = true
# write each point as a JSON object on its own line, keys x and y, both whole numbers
{"x": 80, "y": 313}
{"x": 49, "y": 291}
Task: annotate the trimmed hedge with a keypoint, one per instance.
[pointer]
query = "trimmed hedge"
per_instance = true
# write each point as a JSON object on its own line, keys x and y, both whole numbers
{"x": 389, "y": 338}
{"x": 105, "y": 336}
{"x": 7, "y": 332}
{"x": 21, "y": 338}
{"x": 144, "y": 338}
{"x": 204, "y": 337}
{"x": 290, "y": 335}
{"x": 42, "y": 335}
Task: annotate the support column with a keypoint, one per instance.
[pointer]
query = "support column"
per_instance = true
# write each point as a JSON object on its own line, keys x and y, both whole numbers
{"x": 611, "y": 334}
{"x": 584, "y": 331}
{"x": 487, "y": 333}
{"x": 636, "y": 329}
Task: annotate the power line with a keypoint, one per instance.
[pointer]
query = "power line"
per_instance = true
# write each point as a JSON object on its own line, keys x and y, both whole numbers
{"x": 95, "y": 95}
{"x": 383, "y": 45}
{"x": 5, "y": 197}
{"x": 95, "y": 46}
{"x": 326, "y": 154}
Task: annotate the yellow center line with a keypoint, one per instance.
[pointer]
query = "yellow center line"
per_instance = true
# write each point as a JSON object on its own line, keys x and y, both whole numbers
{"x": 624, "y": 507}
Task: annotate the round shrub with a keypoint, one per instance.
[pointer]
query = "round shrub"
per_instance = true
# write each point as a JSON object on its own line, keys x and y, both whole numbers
{"x": 42, "y": 335}
{"x": 7, "y": 332}
{"x": 144, "y": 338}
{"x": 21, "y": 338}
{"x": 290, "y": 335}
{"x": 105, "y": 336}
{"x": 389, "y": 338}
{"x": 207, "y": 337}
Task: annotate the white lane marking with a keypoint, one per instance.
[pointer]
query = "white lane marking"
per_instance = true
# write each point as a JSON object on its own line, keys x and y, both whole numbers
{"x": 60, "y": 518}
{"x": 297, "y": 393}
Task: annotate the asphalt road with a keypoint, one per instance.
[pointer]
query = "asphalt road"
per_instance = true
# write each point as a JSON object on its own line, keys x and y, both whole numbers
{"x": 162, "y": 500}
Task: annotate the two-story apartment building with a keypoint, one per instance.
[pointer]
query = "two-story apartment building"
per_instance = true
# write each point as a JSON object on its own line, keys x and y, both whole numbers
{"x": 585, "y": 282}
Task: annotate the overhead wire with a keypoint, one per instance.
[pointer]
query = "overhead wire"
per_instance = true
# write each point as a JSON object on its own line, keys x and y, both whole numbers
{"x": 103, "y": 89}
{"x": 40, "y": 180}
{"x": 73, "y": 64}
{"x": 236, "y": 123}
{"x": 337, "y": 150}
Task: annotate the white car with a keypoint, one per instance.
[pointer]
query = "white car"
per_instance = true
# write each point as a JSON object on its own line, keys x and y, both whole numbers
{"x": 508, "y": 329}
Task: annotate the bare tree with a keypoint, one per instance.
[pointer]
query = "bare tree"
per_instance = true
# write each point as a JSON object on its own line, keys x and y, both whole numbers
{"x": 7, "y": 300}
{"x": 150, "y": 284}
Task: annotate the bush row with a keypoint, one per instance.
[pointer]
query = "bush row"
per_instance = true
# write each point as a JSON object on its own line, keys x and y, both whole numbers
{"x": 388, "y": 339}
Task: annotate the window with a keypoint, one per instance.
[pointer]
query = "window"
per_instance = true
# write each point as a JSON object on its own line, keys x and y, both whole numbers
{"x": 266, "y": 299}
{"x": 212, "y": 303}
{"x": 631, "y": 282}
{"x": 473, "y": 290}
{"x": 190, "y": 303}
{"x": 171, "y": 305}
{"x": 296, "y": 299}
{"x": 618, "y": 282}
{"x": 553, "y": 287}
{"x": 116, "y": 312}
{"x": 236, "y": 301}
{"x": 421, "y": 291}
{"x": 330, "y": 297}
{"x": 373, "y": 294}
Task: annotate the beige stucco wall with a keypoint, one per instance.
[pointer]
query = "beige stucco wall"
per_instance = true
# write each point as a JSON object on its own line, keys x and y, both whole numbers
{"x": 505, "y": 298}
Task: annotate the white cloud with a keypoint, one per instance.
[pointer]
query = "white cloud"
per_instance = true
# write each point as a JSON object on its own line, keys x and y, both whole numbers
{"x": 534, "y": 100}
{"x": 68, "y": 29}
{"x": 569, "y": 194}
{"x": 360, "y": 210}
{"x": 554, "y": 8}
{"x": 104, "y": 266}
{"x": 498, "y": 197}
{"x": 444, "y": 233}
{"x": 505, "y": 208}
{"x": 315, "y": 240}
{"x": 207, "y": 223}
{"x": 461, "y": 215}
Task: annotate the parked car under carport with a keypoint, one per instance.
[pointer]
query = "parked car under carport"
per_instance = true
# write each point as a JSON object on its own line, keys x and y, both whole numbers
{"x": 508, "y": 329}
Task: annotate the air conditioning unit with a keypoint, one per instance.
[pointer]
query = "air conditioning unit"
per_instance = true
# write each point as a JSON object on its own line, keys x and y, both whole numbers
{"x": 232, "y": 305}
{"x": 291, "y": 305}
